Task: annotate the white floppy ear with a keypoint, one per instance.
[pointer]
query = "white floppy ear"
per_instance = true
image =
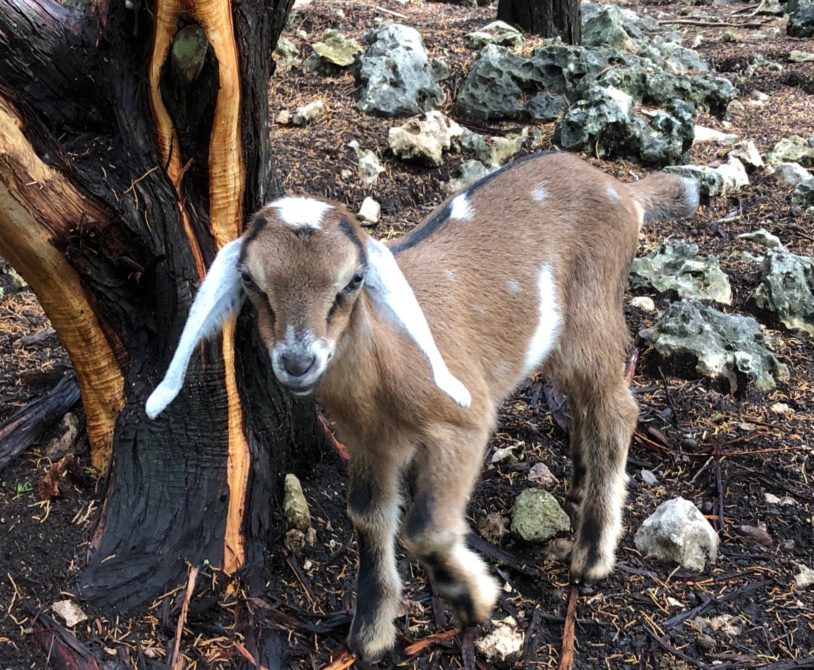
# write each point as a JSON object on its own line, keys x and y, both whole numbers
{"x": 390, "y": 289}
{"x": 218, "y": 298}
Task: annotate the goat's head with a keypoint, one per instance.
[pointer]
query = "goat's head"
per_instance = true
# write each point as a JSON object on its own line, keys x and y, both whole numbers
{"x": 303, "y": 263}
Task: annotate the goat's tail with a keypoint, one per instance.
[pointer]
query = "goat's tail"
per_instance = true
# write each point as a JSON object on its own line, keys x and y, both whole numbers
{"x": 665, "y": 196}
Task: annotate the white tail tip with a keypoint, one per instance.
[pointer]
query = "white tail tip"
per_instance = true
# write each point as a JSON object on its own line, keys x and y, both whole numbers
{"x": 160, "y": 398}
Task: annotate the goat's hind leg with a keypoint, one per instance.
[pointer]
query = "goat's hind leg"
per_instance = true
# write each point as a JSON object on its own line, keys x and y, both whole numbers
{"x": 435, "y": 529}
{"x": 373, "y": 507}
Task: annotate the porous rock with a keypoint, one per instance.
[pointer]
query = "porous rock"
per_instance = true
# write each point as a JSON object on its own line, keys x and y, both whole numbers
{"x": 804, "y": 195}
{"x": 787, "y": 289}
{"x": 424, "y": 138}
{"x": 793, "y": 149}
{"x": 677, "y": 531}
{"x": 295, "y": 506}
{"x": 792, "y": 174}
{"x": 370, "y": 167}
{"x": 396, "y": 76}
{"x": 313, "y": 111}
{"x": 538, "y": 517}
{"x": 677, "y": 266}
{"x": 492, "y": 150}
{"x": 503, "y": 643}
{"x": 337, "y": 49}
{"x": 801, "y": 18}
{"x": 727, "y": 178}
{"x": 718, "y": 345}
{"x": 496, "y": 32}
{"x": 469, "y": 172}
{"x": 287, "y": 53}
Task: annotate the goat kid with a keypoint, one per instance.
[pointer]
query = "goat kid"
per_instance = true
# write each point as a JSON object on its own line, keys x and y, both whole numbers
{"x": 523, "y": 271}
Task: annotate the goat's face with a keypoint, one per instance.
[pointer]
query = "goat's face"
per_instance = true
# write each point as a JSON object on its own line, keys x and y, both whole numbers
{"x": 303, "y": 263}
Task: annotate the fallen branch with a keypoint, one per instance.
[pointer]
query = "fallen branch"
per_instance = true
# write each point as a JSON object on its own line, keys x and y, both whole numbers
{"x": 712, "y": 24}
{"x": 568, "y": 630}
{"x": 344, "y": 660}
{"x": 61, "y": 647}
{"x": 421, "y": 645}
{"x": 27, "y": 424}
{"x": 176, "y": 662}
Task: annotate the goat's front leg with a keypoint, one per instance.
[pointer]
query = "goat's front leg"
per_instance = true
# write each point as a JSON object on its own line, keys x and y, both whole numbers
{"x": 373, "y": 507}
{"x": 435, "y": 529}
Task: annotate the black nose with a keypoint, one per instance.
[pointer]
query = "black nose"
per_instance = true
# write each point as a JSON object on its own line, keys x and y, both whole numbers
{"x": 298, "y": 364}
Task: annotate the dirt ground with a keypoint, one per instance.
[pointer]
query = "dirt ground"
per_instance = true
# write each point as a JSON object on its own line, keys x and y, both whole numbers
{"x": 723, "y": 453}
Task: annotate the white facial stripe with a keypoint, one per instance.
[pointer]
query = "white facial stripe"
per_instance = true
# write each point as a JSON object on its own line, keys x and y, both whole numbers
{"x": 539, "y": 193}
{"x": 461, "y": 208}
{"x": 545, "y": 335}
{"x": 320, "y": 348}
{"x": 301, "y": 212}
{"x": 613, "y": 194}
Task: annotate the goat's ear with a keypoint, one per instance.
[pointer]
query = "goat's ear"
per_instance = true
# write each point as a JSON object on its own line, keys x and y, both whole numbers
{"x": 391, "y": 292}
{"x": 218, "y": 298}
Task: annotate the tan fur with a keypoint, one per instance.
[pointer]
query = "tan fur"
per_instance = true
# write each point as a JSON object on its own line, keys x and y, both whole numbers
{"x": 477, "y": 282}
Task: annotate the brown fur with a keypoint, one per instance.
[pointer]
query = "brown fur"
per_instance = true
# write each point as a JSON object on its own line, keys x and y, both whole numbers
{"x": 477, "y": 282}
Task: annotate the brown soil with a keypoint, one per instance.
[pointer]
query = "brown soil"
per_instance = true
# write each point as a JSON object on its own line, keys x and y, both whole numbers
{"x": 723, "y": 453}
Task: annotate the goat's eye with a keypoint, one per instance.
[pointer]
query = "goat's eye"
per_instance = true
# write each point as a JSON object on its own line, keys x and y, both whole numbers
{"x": 354, "y": 283}
{"x": 248, "y": 282}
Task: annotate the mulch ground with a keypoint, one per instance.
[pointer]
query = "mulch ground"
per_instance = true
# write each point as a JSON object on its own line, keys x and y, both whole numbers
{"x": 723, "y": 453}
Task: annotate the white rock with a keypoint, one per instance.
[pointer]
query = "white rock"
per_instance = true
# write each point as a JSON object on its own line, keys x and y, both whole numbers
{"x": 703, "y": 134}
{"x": 511, "y": 454}
{"x": 504, "y": 642}
{"x": 370, "y": 166}
{"x": 424, "y": 137}
{"x": 734, "y": 175}
{"x": 370, "y": 211}
{"x": 542, "y": 475}
{"x": 763, "y": 237}
{"x": 69, "y": 612}
{"x": 805, "y": 578}
{"x": 678, "y": 531}
{"x": 283, "y": 118}
{"x": 781, "y": 408}
{"x": 792, "y": 174}
{"x": 313, "y": 111}
{"x": 748, "y": 154}
{"x": 723, "y": 623}
{"x": 643, "y": 303}
{"x": 771, "y": 498}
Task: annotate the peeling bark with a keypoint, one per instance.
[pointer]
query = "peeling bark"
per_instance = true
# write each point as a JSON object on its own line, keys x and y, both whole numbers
{"x": 121, "y": 175}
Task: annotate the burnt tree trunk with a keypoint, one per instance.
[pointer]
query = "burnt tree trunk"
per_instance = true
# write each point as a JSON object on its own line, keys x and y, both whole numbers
{"x": 549, "y": 18}
{"x": 133, "y": 144}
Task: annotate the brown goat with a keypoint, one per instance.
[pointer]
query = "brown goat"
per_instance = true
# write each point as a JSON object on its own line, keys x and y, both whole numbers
{"x": 523, "y": 271}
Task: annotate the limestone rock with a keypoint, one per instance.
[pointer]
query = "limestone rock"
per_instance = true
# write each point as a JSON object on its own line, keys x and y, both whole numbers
{"x": 804, "y": 195}
{"x": 69, "y": 612}
{"x": 424, "y": 138}
{"x": 310, "y": 113}
{"x": 370, "y": 211}
{"x": 677, "y": 266}
{"x": 370, "y": 166}
{"x": 792, "y": 174}
{"x": 787, "y": 288}
{"x": 727, "y": 178}
{"x": 287, "y": 53}
{"x": 764, "y": 237}
{"x": 469, "y": 172}
{"x": 337, "y": 49}
{"x": 295, "y": 506}
{"x": 702, "y": 134}
{"x": 793, "y": 149}
{"x": 805, "y": 577}
{"x": 643, "y": 303}
{"x": 503, "y": 644}
{"x": 746, "y": 152}
{"x": 801, "y": 18}
{"x": 537, "y": 516}
{"x": 496, "y": 32}
{"x": 796, "y": 56}
{"x": 720, "y": 346}
{"x": 396, "y": 76}
{"x": 492, "y": 150}
{"x": 677, "y": 531}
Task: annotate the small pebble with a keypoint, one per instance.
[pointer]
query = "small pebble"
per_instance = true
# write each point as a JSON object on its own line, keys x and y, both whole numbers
{"x": 780, "y": 408}
{"x": 649, "y": 478}
{"x": 689, "y": 443}
{"x": 643, "y": 303}
{"x": 705, "y": 642}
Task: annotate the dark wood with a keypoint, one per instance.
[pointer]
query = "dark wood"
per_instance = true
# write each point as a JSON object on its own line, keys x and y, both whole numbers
{"x": 549, "y": 18}
{"x": 91, "y": 119}
{"x": 27, "y": 424}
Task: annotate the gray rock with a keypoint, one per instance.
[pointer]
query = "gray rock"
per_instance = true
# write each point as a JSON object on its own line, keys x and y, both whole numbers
{"x": 677, "y": 531}
{"x": 605, "y": 122}
{"x": 792, "y": 174}
{"x": 787, "y": 289}
{"x": 295, "y": 506}
{"x": 542, "y": 475}
{"x": 337, "y": 49}
{"x": 537, "y": 516}
{"x": 492, "y": 150}
{"x": 720, "y": 346}
{"x": 649, "y": 478}
{"x": 801, "y": 18}
{"x": 287, "y": 53}
{"x": 676, "y": 266}
{"x": 395, "y": 73}
{"x": 794, "y": 149}
{"x": 469, "y": 172}
{"x": 424, "y": 138}
{"x": 497, "y": 32}
{"x": 804, "y": 195}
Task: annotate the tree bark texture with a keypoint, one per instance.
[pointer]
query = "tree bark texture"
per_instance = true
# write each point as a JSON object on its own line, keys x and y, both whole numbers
{"x": 549, "y": 18}
{"x": 133, "y": 143}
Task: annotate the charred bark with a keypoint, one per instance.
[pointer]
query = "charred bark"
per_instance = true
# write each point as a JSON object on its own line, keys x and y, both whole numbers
{"x": 549, "y": 18}
{"x": 133, "y": 163}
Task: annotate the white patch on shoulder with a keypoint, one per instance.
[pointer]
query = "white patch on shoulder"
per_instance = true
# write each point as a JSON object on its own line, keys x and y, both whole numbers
{"x": 449, "y": 274}
{"x": 548, "y": 328}
{"x": 539, "y": 193}
{"x": 461, "y": 208}
{"x": 301, "y": 212}
{"x": 613, "y": 194}
{"x": 513, "y": 287}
